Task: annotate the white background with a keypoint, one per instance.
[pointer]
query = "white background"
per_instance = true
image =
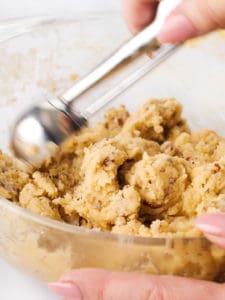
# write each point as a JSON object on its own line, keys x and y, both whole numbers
{"x": 15, "y": 285}
{"x": 20, "y": 8}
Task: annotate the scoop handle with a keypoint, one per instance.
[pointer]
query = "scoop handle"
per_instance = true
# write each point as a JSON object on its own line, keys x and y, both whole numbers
{"x": 139, "y": 43}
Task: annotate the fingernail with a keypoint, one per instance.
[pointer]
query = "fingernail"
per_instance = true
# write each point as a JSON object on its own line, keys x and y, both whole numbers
{"x": 176, "y": 29}
{"x": 212, "y": 224}
{"x": 66, "y": 289}
{"x": 216, "y": 240}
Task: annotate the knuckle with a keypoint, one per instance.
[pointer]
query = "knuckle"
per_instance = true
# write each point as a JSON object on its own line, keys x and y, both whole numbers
{"x": 216, "y": 11}
{"x": 206, "y": 15}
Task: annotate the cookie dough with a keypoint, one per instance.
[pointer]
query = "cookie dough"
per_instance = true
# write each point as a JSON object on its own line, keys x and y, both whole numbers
{"x": 144, "y": 174}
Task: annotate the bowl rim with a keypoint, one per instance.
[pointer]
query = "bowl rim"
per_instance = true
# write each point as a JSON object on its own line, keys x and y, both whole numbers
{"x": 92, "y": 233}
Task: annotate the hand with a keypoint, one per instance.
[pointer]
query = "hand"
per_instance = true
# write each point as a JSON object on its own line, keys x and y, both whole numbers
{"x": 94, "y": 284}
{"x": 190, "y": 19}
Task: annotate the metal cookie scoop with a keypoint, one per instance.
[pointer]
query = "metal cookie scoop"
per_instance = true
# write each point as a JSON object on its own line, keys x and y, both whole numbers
{"x": 50, "y": 122}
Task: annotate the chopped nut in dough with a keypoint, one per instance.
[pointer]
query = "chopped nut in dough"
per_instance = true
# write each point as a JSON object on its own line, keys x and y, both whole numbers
{"x": 142, "y": 174}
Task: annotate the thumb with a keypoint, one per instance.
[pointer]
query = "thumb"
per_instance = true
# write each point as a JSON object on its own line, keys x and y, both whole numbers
{"x": 213, "y": 225}
{"x": 95, "y": 284}
{"x": 193, "y": 18}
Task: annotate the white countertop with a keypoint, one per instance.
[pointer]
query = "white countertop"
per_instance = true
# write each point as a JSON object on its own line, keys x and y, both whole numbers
{"x": 15, "y": 285}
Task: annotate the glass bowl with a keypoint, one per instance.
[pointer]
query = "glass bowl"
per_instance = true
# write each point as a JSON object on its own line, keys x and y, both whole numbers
{"x": 47, "y": 60}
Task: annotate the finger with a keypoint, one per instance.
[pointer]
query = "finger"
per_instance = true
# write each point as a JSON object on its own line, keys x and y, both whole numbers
{"x": 213, "y": 225}
{"x": 97, "y": 284}
{"x": 139, "y": 13}
{"x": 193, "y": 18}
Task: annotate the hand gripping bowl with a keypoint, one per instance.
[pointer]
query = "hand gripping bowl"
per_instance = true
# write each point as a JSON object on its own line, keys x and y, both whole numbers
{"x": 46, "y": 61}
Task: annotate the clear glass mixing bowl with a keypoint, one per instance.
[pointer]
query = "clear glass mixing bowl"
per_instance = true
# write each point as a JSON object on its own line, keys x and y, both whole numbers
{"x": 47, "y": 60}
